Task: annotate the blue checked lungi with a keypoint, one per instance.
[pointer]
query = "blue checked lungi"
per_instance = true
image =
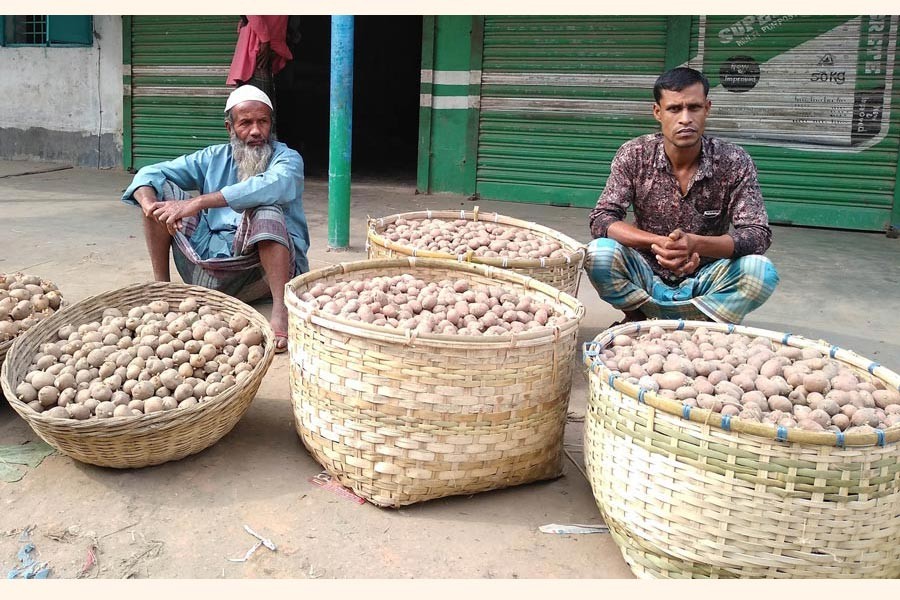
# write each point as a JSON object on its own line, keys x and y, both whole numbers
{"x": 240, "y": 275}
{"x": 724, "y": 290}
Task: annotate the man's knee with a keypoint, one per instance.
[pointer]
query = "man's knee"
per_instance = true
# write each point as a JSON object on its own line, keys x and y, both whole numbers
{"x": 601, "y": 255}
{"x": 758, "y": 267}
{"x": 273, "y": 247}
{"x": 758, "y": 276}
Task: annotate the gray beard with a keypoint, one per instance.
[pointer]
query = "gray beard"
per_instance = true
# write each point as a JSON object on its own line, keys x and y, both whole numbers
{"x": 250, "y": 161}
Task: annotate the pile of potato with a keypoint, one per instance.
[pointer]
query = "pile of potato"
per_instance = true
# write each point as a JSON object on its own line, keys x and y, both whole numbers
{"x": 444, "y": 307}
{"x": 153, "y": 358}
{"x": 484, "y": 239}
{"x": 754, "y": 379}
{"x": 24, "y": 301}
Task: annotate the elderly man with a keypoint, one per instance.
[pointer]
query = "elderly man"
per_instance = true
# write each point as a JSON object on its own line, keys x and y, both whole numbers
{"x": 246, "y": 233}
{"x": 700, "y": 225}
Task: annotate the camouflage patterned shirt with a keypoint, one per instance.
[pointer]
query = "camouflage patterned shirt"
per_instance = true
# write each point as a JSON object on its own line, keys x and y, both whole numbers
{"x": 722, "y": 197}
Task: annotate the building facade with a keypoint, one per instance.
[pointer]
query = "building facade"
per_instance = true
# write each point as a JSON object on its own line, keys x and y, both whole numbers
{"x": 516, "y": 108}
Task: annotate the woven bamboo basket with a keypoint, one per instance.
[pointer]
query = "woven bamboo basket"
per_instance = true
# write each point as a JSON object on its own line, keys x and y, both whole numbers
{"x": 688, "y": 493}
{"x": 131, "y": 442}
{"x": 5, "y": 346}
{"x": 563, "y": 273}
{"x": 401, "y": 419}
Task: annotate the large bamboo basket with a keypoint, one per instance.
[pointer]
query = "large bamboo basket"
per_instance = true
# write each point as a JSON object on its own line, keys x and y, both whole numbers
{"x": 5, "y": 346}
{"x": 563, "y": 273}
{"x": 691, "y": 494}
{"x": 401, "y": 419}
{"x": 130, "y": 442}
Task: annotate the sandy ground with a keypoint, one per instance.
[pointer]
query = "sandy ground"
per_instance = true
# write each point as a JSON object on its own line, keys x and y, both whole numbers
{"x": 185, "y": 519}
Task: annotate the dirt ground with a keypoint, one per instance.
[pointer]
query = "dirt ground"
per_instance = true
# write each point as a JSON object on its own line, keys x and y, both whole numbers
{"x": 186, "y": 519}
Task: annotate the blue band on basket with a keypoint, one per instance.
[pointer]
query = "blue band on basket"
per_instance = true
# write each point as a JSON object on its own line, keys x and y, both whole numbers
{"x": 784, "y": 340}
{"x": 839, "y": 442}
{"x": 726, "y": 422}
{"x": 731, "y": 328}
{"x": 686, "y": 412}
{"x": 638, "y": 330}
{"x": 872, "y": 367}
{"x": 612, "y": 380}
{"x": 680, "y": 325}
{"x": 880, "y": 434}
{"x": 641, "y": 393}
{"x": 781, "y": 433}
{"x": 833, "y": 351}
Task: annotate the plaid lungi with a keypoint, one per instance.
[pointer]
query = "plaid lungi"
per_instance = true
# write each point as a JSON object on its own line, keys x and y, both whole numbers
{"x": 240, "y": 275}
{"x": 724, "y": 290}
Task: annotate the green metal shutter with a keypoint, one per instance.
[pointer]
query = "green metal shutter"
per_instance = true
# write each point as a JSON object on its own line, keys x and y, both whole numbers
{"x": 811, "y": 99}
{"x": 559, "y": 95}
{"x": 178, "y": 70}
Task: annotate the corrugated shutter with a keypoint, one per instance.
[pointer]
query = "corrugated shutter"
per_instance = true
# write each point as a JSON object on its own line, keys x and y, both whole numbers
{"x": 559, "y": 95}
{"x": 178, "y": 66}
{"x": 811, "y": 99}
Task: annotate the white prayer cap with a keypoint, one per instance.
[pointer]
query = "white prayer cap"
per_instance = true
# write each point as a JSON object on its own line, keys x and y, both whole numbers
{"x": 247, "y": 92}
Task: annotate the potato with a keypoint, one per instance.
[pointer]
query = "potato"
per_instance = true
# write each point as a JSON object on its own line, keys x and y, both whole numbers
{"x": 864, "y": 416}
{"x": 886, "y": 397}
{"x": 727, "y": 388}
{"x": 251, "y": 336}
{"x": 188, "y": 402}
{"x": 40, "y": 379}
{"x": 841, "y": 421}
{"x": 671, "y": 380}
{"x": 744, "y": 381}
{"x": 143, "y": 390}
{"x": 780, "y": 403}
{"x": 182, "y": 392}
{"x": 65, "y": 397}
{"x": 57, "y": 412}
{"x": 215, "y": 338}
{"x": 816, "y": 382}
{"x": 171, "y": 378}
{"x": 757, "y": 398}
{"x": 710, "y": 403}
{"x": 810, "y": 425}
{"x": 47, "y": 396}
{"x": 813, "y": 399}
{"x": 100, "y": 392}
{"x": 26, "y": 392}
{"x": 105, "y": 410}
{"x": 185, "y": 370}
{"x": 153, "y": 405}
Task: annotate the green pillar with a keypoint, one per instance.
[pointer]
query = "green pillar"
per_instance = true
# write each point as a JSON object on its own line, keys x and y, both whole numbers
{"x": 341, "y": 129}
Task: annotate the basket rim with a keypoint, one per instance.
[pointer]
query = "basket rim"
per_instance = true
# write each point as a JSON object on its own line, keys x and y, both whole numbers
{"x": 305, "y": 312}
{"x": 225, "y": 397}
{"x": 574, "y": 247}
{"x": 701, "y": 415}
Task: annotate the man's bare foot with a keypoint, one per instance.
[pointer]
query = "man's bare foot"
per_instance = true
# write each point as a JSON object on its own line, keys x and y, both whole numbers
{"x": 279, "y": 323}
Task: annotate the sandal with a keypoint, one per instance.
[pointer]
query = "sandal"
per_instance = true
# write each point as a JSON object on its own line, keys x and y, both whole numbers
{"x": 279, "y": 337}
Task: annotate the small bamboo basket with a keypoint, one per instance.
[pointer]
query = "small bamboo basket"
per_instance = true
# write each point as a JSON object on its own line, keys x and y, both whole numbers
{"x": 400, "y": 418}
{"x": 131, "y": 442}
{"x": 563, "y": 273}
{"x": 688, "y": 493}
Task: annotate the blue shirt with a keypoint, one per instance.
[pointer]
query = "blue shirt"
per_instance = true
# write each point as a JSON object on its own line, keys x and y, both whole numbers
{"x": 213, "y": 169}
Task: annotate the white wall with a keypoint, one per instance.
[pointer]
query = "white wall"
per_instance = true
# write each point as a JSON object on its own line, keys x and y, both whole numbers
{"x": 77, "y": 90}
